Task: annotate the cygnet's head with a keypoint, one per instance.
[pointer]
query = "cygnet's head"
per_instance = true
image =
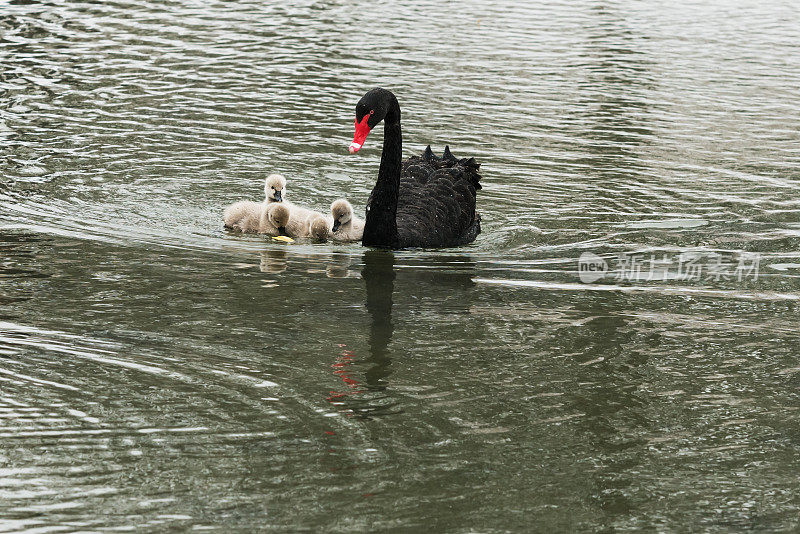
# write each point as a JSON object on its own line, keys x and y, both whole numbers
{"x": 342, "y": 213}
{"x": 318, "y": 227}
{"x": 275, "y": 188}
{"x": 279, "y": 217}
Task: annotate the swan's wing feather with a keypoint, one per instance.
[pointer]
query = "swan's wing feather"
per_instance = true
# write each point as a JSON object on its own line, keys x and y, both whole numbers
{"x": 436, "y": 204}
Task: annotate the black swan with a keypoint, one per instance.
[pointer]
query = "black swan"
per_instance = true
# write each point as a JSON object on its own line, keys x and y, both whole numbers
{"x": 424, "y": 201}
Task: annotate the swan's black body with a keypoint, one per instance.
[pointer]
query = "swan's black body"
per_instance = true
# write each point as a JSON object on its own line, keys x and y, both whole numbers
{"x": 424, "y": 201}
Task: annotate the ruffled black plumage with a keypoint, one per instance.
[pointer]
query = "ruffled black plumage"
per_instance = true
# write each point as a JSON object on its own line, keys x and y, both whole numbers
{"x": 436, "y": 201}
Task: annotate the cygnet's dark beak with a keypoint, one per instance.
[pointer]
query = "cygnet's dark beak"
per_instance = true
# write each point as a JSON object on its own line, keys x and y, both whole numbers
{"x": 282, "y": 230}
{"x": 278, "y": 196}
{"x": 336, "y": 225}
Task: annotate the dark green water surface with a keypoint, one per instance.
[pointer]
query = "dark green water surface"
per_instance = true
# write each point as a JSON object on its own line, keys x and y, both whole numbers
{"x": 159, "y": 373}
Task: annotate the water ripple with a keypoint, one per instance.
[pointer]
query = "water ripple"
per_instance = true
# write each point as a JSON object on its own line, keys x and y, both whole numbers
{"x": 159, "y": 373}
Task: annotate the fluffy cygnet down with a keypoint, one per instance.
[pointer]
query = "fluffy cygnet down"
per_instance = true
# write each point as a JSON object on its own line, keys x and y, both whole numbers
{"x": 346, "y": 226}
{"x": 274, "y": 188}
{"x": 243, "y": 216}
{"x": 274, "y": 219}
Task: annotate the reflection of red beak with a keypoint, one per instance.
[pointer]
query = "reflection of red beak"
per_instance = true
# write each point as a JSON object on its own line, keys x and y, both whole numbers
{"x": 362, "y": 129}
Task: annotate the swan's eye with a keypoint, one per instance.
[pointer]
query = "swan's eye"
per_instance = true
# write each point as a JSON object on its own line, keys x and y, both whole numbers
{"x": 372, "y": 112}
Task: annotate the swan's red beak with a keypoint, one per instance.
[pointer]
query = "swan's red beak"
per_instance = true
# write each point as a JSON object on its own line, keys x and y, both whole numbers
{"x": 362, "y": 129}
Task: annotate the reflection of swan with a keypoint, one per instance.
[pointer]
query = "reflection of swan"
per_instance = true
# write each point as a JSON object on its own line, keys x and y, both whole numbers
{"x": 342, "y": 368}
{"x": 379, "y": 275}
{"x": 367, "y": 398}
{"x": 334, "y": 265}
{"x": 339, "y": 265}
{"x": 448, "y": 278}
{"x": 273, "y": 261}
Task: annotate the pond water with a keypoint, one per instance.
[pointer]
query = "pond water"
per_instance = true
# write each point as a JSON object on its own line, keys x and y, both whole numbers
{"x": 157, "y": 372}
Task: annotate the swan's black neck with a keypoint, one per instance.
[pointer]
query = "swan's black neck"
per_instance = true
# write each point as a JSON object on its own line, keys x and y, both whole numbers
{"x": 380, "y": 228}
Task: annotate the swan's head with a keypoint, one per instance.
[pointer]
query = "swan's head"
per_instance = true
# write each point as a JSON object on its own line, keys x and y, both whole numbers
{"x": 370, "y": 110}
{"x": 318, "y": 227}
{"x": 342, "y": 213}
{"x": 279, "y": 217}
{"x": 275, "y": 188}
